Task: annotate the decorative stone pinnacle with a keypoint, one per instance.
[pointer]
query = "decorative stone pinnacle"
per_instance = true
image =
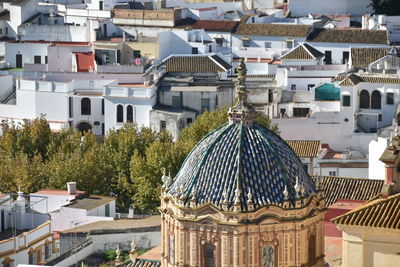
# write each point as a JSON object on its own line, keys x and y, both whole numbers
{"x": 297, "y": 187}
{"x": 241, "y": 112}
{"x": 286, "y": 193}
{"x": 249, "y": 196}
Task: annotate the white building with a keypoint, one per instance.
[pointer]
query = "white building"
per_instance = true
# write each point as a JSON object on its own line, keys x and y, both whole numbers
{"x": 300, "y": 8}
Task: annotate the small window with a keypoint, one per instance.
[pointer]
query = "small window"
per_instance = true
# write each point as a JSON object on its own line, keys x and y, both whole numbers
{"x": 176, "y": 101}
{"x": 270, "y": 96}
{"x": 293, "y": 87}
{"x": 345, "y": 58}
{"x": 246, "y": 42}
{"x": 282, "y": 111}
{"x": 332, "y": 173}
{"x": 37, "y": 59}
{"x": 47, "y": 251}
{"x": 71, "y": 107}
{"x": 346, "y": 101}
{"x": 6, "y": 30}
{"x": 210, "y": 49}
{"x": 309, "y": 86}
{"x": 31, "y": 258}
{"x": 379, "y": 117}
{"x": 163, "y": 125}
{"x": 103, "y": 129}
{"x": 189, "y": 120}
{"x": 389, "y": 98}
{"x": 120, "y": 113}
{"x": 45, "y": 60}
{"x": 195, "y": 50}
{"x": 300, "y": 112}
{"x": 1, "y": 31}
{"x": 267, "y": 44}
{"x": 289, "y": 44}
{"x": 205, "y": 104}
{"x": 209, "y": 255}
{"x": 129, "y": 113}
{"x": 85, "y": 106}
{"x": 107, "y": 210}
{"x": 364, "y": 99}
{"x": 102, "y": 106}
{"x": 376, "y": 100}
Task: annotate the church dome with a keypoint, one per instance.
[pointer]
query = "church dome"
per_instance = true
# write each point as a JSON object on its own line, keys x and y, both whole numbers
{"x": 241, "y": 164}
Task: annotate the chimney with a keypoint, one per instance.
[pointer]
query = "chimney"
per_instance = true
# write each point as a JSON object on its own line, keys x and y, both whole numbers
{"x": 71, "y": 187}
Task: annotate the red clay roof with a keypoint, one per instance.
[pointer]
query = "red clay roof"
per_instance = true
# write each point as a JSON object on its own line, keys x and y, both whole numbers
{"x": 85, "y": 61}
{"x": 213, "y": 25}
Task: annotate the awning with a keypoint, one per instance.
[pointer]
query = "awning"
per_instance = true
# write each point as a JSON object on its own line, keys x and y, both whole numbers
{"x": 85, "y": 61}
{"x": 327, "y": 91}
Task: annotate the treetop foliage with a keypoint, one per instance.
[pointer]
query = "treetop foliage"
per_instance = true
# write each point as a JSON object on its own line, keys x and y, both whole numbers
{"x": 128, "y": 164}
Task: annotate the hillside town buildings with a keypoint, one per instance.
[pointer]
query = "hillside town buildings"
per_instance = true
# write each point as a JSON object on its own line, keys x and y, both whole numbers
{"x": 328, "y": 75}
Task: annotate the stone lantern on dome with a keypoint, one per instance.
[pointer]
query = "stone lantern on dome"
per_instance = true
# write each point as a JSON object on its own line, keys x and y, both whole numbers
{"x": 242, "y": 198}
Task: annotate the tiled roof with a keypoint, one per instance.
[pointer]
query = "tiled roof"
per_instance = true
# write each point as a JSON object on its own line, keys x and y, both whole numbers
{"x": 362, "y": 57}
{"x": 303, "y": 51}
{"x": 348, "y": 188}
{"x": 354, "y": 79}
{"x": 201, "y": 63}
{"x": 305, "y": 148}
{"x": 248, "y": 157}
{"x": 213, "y": 25}
{"x": 358, "y": 36}
{"x": 267, "y": 29}
{"x": 380, "y": 213}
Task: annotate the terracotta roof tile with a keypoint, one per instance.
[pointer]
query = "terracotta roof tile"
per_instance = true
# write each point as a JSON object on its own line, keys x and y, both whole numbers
{"x": 212, "y": 25}
{"x": 303, "y": 51}
{"x": 196, "y": 64}
{"x": 354, "y": 79}
{"x": 358, "y": 36}
{"x": 305, "y": 148}
{"x": 266, "y": 29}
{"x": 362, "y": 57}
{"x": 348, "y": 188}
{"x": 381, "y": 213}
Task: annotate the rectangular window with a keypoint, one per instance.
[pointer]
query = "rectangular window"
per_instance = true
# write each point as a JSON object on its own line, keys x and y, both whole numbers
{"x": 210, "y": 49}
{"x": 346, "y": 101}
{"x": 47, "y": 251}
{"x": 389, "y": 98}
{"x": 293, "y": 87}
{"x": 1, "y": 31}
{"x": 71, "y": 107}
{"x": 107, "y": 210}
{"x": 300, "y": 112}
{"x": 246, "y": 42}
{"x": 189, "y": 120}
{"x": 267, "y": 44}
{"x": 309, "y": 86}
{"x": 332, "y": 173}
{"x": 37, "y": 59}
{"x": 31, "y": 258}
{"x": 163, "y": 125}
{"x": 45, "y": 60}
{"x": 176, "y": 101}
{"x": 328, "y": 57}
{"x": 346, "y": 56}
{"x": 205, "y": 104}
{"x": 6, "y": 30}
{"x": 289, "y": 44}
{"x": 283, "y": 111}
{"x": 380, "y": 117}
{"x": 195, "y": 50}
{"x": 103, "y": 130}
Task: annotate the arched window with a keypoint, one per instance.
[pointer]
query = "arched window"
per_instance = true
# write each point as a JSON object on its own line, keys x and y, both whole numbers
{"x": 120, "y": 113}
{"x": 376, "y": 100}
{"x": 171, "y": 249}
{"x": 364, "y": 99}
{"x": 209, "y": 255}
{"x": 129, "y": 114}
{"x": 268, "y": 256}
{"x": 311, "y": 250}
{"x": 85, "y": 106}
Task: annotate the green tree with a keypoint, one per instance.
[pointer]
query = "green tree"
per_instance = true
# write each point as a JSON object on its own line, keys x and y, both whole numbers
{"x": 386, "y": 7}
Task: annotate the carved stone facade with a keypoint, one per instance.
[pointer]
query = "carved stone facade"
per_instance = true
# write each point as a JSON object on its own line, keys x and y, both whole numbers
{"x": 275, "y": 235}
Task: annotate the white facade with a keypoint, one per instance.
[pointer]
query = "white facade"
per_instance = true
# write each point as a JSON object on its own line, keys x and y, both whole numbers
{"x": 26, "y": 50}
{"x": 305, "y": 7}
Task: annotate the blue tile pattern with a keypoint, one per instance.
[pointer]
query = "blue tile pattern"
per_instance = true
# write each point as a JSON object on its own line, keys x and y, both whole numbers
{"x": 249, "y": 155}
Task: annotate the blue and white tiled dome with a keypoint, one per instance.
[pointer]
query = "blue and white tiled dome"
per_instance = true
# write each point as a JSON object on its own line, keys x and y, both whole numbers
{"x": 248, "y": 157}
{"x": 241, "y": 165}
